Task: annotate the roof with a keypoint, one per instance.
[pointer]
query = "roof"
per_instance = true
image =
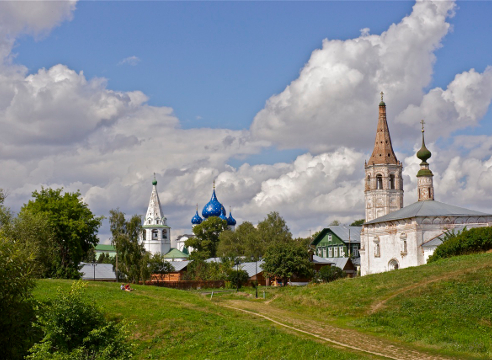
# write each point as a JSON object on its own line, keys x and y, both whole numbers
{"x": 319, "y": 260}
{"x": 179, "y": 265}
{"x": 104, "y": 247}
{"x": 427, "y": 208}
{"x": 383, "y": 150}
{"x": 175, "y": 253}
{"x": 252, "y": 268}
{"x": 438, "y": 239}
{"x": 340, "y": 262}
{"x": 102, "y": 271}
{"x": 342, "y": 232}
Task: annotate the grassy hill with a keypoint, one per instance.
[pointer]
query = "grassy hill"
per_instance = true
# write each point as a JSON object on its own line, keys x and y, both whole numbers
{"x": 443, "y": 307}
{"x": 176, "y": 324}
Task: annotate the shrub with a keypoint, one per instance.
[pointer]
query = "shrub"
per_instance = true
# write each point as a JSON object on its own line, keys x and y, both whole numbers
{"x": 75, "y": 329}
{"x": 464, "y": 242}
{"x": 238, "y": 278}
{"x": 331, "y": 273}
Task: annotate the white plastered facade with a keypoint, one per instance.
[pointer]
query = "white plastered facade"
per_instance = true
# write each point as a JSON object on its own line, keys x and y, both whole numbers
{"x": 399, "y": 242}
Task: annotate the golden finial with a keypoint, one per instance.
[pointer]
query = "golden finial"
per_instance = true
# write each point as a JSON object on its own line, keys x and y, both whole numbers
{"x": 422, "y": 122}
{"x": 214, "y": 184}
{"x": 382, "y": 96}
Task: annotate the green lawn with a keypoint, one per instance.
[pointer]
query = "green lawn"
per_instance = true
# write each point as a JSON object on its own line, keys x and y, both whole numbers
{"x": 444, "y": 306}
{"x": 177, "y": 324}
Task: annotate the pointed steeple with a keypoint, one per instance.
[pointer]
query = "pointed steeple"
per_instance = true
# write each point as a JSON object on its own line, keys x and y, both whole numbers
{"x": 383, "y": 150}
{"x": 154, "y": 211}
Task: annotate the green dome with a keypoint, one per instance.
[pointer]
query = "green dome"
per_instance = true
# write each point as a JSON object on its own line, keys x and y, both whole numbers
{"x": 382, "y": 103}
{"x": 423, "y": 154}
{"x": 154, "y": 182}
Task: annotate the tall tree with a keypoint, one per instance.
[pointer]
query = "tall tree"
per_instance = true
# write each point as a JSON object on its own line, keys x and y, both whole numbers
{"x": 284, "y": 260}
{"x": 273, "y": 229}
{"x": 132, "y": 259}
{"x": 241, "y": 242}
{"x": 72, "y": 224}
{"x": 206, "y": 241}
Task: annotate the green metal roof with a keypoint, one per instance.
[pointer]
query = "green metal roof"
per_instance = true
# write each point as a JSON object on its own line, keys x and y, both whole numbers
{"x": 175, "y": 254}
{"x": 103, "y": 247}
{"x": 155, "y": 226}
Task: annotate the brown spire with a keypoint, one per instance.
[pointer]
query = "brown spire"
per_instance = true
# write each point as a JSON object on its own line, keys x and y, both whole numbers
{"x": 383, "y": 150}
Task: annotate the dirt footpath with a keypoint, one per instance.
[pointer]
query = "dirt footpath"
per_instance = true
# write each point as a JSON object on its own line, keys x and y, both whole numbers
{"x": 347, "y": 338}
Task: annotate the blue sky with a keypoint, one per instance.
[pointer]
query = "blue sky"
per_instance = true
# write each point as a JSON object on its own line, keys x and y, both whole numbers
{"x": 210, "y": 71}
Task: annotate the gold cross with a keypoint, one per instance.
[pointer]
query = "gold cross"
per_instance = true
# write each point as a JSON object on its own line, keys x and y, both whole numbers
{"x": 422, "y": 122}
{"x": 214, "y": 184}
{"x": 382, "y": 96}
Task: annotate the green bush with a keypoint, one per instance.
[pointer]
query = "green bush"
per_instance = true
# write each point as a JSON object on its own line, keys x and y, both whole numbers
{"x": 331, "y": 273}
{"x": 16, "y": 304}
{"x": 75, "y": 329}
{"x": 238, "y": 278}
{"x": 464, "y": 242}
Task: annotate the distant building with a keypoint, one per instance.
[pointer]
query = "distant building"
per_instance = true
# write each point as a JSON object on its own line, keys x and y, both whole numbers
{"x": 338, "y": 242}
{"x": 105, "y": 249}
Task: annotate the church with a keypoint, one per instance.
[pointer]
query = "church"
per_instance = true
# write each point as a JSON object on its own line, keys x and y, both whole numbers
{"x": 394, "y": 236}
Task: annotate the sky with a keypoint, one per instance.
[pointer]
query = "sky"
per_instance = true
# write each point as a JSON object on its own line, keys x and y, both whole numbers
{"x": 275, "y": 101}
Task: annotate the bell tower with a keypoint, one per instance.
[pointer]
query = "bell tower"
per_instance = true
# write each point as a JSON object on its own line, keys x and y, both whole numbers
{"x": 383, "y": 181}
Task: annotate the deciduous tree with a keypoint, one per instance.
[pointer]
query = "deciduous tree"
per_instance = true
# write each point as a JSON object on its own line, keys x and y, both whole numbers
{"x": 206, "y": 241}
{"x": 72, "y": 225}
{"x": 283, "y": 260}
{"x": 132, "y": 259}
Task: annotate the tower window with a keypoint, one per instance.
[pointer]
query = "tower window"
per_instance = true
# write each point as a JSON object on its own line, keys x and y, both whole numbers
{"x": 392, "y": 181}
{"x": 379, "y": 182}
{"x": 154, "y": 234}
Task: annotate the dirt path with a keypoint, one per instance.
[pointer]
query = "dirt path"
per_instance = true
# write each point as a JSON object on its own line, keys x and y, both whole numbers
{"x": 347, "y": 338}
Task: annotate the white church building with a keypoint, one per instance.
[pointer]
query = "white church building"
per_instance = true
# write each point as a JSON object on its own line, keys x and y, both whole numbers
{"x": 394, "y": 236}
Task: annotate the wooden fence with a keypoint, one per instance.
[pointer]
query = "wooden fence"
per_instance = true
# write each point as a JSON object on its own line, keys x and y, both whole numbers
{"x": 189, "y": 284}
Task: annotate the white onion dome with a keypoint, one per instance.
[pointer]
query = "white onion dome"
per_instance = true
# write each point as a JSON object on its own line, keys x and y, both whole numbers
{"x": 196, "y": 220}
{"x": 213, "y": 207}
{"x": 230, "y": 220}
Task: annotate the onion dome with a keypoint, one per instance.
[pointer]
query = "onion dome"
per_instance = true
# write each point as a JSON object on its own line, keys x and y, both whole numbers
{"x": 382, "y": 102}
{"x": 196, "y": 220}
{"x": 155, "y": 181}
{"x": 423, "y": 154}
{"x": 213, "y": 207}
{"x": 222, "y": 214}
{"x": 230, "y": 220}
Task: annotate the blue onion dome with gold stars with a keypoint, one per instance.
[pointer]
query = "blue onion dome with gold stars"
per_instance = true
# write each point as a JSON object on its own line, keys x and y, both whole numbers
{"x": 196, "y": 220}
{"x": 222, "y": 214}
{"x": 213, "y": 207}
{"x": 230, "y": 220}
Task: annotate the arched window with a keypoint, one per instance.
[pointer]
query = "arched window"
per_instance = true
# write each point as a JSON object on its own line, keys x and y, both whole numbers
{"x": 164, "y": 234}
{"x": 144, "y": 235}
{"x": 379, "y": 181}
{"x": 155, "y": 234}
{"x": 377, "y": 250}
{"x": 392, "y": 182}
{"x": 393, "y": 264}
{"x": 368, "y": 185}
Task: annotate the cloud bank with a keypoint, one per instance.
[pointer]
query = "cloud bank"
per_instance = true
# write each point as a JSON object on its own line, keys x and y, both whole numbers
{"x": 61, "y": 129}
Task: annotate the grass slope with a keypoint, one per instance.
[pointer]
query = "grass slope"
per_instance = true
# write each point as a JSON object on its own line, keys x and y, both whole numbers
{"x": 444, "y": 306}
{"x": 176, "y": 324}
